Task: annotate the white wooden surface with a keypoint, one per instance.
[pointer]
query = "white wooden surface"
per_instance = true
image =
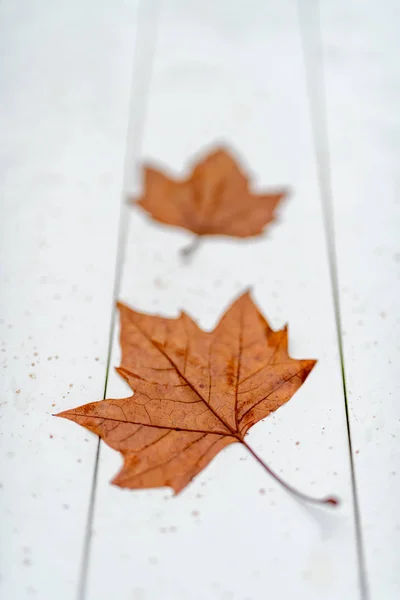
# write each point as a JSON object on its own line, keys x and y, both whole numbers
{"x": 361, "y": 50}
{"x": 226, "y": 74}
{"x": 64, "y": 109}
{"x": 222, "y": 72}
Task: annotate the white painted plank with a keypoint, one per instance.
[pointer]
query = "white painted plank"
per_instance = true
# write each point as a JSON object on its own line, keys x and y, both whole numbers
{"x": 66, "y": 76}
{"x": 361, "y": 50}
{"x": 234, "y": 72}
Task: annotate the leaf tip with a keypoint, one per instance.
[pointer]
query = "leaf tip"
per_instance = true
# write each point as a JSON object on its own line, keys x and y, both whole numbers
{"x": 284, "y": 192}
{"x": 61, "y": 414}
{"x": 176, "y": 488}
{"x": 121, "y": 305}
{"x": 65, "y": 414}
{"x": 246, "y": 294}
{"x": 122, "y": 372}
{"x": 311, "y": 364}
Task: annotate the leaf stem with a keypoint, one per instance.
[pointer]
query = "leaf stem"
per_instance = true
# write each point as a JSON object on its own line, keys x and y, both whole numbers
{"x": 329, "y": 500}
{"x": 187, "y": 251}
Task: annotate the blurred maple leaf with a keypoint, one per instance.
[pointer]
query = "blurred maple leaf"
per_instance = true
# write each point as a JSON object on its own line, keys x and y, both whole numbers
{"x": 214, "y": 200}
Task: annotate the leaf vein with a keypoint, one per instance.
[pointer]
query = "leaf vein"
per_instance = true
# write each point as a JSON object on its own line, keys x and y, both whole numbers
{"x": 269, "y": 393}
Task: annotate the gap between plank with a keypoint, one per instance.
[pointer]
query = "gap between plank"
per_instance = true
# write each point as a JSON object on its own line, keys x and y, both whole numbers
{"x": 315, "y": 83}
{"x": 146, "y": 28}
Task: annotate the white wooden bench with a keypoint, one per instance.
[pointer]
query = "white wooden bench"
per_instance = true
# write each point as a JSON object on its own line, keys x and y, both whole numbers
{"x": 309, "y": 97}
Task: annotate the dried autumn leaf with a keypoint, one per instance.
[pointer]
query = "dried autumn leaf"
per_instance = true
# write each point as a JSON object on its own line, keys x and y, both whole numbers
{"x": 214, "y": 200}
{"x": 195, "y": 392}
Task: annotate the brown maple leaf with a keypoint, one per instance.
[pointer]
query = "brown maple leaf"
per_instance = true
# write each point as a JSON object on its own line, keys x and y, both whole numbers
{"x": 214, "y": 200}
{"x": 195, "y": 392}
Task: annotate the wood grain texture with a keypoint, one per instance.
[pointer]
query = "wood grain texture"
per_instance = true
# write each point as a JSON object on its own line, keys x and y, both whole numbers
{"x": 361, "y": 51}
{"x": 225, "y": 73}
{"x": 64, "y": 98}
